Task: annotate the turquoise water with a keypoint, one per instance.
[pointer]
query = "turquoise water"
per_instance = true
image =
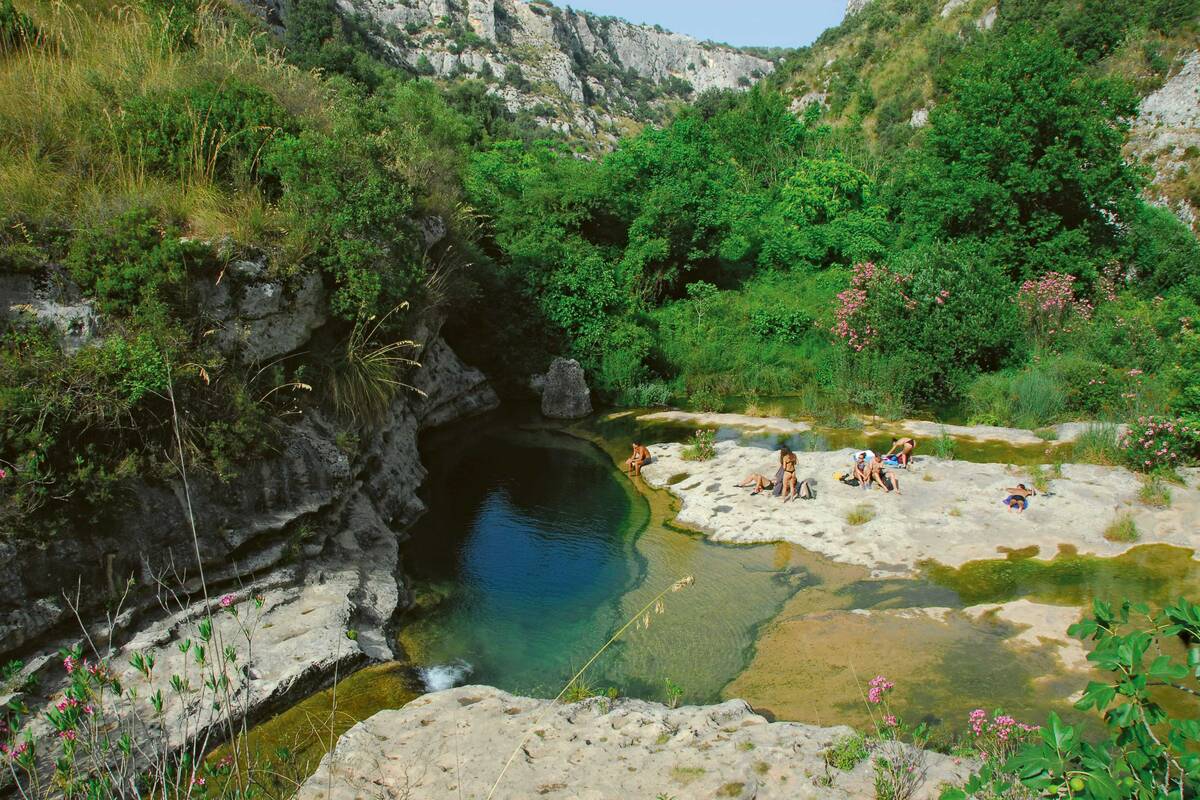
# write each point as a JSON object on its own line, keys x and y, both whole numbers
{"x": 535, "y": 550}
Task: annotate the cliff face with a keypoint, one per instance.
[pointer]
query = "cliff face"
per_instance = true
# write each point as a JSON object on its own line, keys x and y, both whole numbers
{"x": 579, "y": 73}
{"x": 314, "y": 533}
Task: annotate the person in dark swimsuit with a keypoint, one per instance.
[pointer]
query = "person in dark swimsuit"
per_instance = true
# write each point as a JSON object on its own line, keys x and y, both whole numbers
{"x": 789, "y": 476}
{"x": 1018, "y": 497}
{"x": 906, "y": 447}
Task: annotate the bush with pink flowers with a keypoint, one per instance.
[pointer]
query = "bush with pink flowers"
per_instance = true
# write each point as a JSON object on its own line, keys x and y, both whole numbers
{"x": 1050, "y": 306}
{"x": 1160, "y": 443}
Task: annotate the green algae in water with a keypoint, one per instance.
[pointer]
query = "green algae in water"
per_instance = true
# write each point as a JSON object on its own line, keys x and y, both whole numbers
{"x": 1150, "y": 573}
{"x": 286, "y": 749}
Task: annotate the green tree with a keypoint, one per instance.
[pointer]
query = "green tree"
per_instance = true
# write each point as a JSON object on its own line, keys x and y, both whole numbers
{"x": 1026, "y": 154}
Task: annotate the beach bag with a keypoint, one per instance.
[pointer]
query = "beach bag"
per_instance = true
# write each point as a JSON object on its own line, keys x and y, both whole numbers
{"x": 806, "y": 490}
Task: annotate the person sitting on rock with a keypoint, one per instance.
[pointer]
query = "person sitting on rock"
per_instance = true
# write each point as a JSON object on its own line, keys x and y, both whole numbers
{"x": 641, "y": 456}
{"x": 1018, "y": 497}
{"x": 863, "y": 460}
{"x": 760, "y": 482}
{"x": 905, "y": 446}
{"x": 879, "y": 475}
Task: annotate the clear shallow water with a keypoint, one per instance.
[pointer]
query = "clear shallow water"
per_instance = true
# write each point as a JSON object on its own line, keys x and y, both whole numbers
{"x": 535, "y": 550}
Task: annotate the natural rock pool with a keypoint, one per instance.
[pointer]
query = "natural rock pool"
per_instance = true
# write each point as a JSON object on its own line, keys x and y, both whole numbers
{"x": 536, "y": 549}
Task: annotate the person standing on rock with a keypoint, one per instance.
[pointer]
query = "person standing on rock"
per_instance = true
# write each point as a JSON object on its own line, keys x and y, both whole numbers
{"x": 905, "y": 446}
{"x": 641, "y": 456}
{"x": 781, "y": 473}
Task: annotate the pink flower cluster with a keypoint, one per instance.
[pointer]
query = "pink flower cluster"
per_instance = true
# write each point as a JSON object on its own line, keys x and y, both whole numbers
{"x": 878, "y": 687}
{"x": 15, "y": 752}
{"x": 1002, "y": 726}
{"x": 1050, "y": 305}
{"x": 226, "y": 601}
{"x": 850, "y": 317}
{"x": 1158, "y": 442}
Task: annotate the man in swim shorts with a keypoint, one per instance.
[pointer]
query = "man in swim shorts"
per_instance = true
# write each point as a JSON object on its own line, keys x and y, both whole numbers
{"x": 1018, "y": 497}
{"x": 641, "y": 457}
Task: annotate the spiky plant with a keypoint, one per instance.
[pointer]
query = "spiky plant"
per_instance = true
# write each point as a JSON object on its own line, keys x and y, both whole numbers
{"x": 365, "y": 373}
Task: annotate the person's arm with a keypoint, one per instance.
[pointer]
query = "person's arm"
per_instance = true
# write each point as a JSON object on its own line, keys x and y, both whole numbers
{"x": 889, "y": 452}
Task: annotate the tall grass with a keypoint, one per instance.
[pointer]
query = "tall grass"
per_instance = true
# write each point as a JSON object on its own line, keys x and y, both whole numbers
{"x": 1028, "y": 399}
{"x": 60, "y": 163}
{"x": 1097, "y": 445}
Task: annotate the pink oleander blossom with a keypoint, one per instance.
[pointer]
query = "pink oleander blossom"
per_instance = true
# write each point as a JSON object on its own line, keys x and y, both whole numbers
{"x": 226, "y": 601}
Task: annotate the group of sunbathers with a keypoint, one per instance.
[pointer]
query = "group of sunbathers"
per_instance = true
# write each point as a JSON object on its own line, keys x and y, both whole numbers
{"x": 869, "y": 469}
{"x": 785, "y": 484}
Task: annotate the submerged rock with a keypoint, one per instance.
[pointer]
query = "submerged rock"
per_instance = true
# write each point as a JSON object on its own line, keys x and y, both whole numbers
{"x": 456, "y": 743}
{"x": 565, "y": 393}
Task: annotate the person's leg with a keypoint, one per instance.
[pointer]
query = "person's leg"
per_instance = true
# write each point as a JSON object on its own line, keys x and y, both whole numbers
{"x": 895, "y": 483}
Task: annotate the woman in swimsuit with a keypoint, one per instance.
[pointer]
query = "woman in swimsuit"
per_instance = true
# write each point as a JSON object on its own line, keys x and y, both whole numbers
{"x": 789, "y": 476}
{"x": 906, "y": 447}
{"x": 760, "y": 482}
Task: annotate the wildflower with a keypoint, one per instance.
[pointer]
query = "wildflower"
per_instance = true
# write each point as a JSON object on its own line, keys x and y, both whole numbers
{"x": 879, "y": 686}
{"x": 3, "y": 474}
{"x": 890, "y": 720}
{"x": 227, "y": 601}
{"x": 197, "y": 780}
{"x": 68, "y": 735}
{"x": 69, "y": 664}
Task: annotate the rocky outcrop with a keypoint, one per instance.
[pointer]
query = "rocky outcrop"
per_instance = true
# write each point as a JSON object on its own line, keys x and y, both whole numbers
{"x": 855, "y": 6}
{"x": 50, "y": 297}
{"x": 1166, "y": 136}
{"x": 257, "y": 317}
{"x": 573, "y": 71}
{"x": 455, "y": 744}
{"x": 313, "y": 534}
{"x": 947, "y": 511}
{"x": 565, "y": 393}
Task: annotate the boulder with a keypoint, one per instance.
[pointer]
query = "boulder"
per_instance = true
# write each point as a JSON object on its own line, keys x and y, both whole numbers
{"x": 565, "y": 393}
{"x": 51, "y": 298}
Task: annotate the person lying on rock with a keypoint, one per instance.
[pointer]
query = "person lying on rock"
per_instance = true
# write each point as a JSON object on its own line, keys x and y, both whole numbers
{"x": 1018, "y": 497}
{"x": 760, "y": 482}
{"x": 641, "y": 456}
{"x": 877, "y": 474}
{"x": 905, "y": 446}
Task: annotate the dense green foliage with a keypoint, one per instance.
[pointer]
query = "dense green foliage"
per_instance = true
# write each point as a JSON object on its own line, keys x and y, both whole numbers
{"x": 1000, "y": 261}
{"x": 1005, "y": 263}
{"x": 1148, "y": 752}
{"x": 162, "y": 146}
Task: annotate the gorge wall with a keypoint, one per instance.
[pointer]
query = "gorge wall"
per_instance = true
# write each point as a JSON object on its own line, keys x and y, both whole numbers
{"x": 312, "y": 533}
{"x": 581, "y": 74}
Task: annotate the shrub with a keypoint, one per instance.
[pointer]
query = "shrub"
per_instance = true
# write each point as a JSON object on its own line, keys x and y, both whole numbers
{"x": 1097, "y": 444}
{"x": 1155, "y": 493}
{"x": 1148, "y": 751}
{"x": 944, "y": 446}
{"x": 702, "y": 447}
{"x": 860, "y": 515}
{"x": 16, "y": 29}
{"x": 354, "y": 213}
{"x": 212, "y": 130}
{"x": 646, "y": 394}
{"x": 1154, "y": 443}
{"x": 1122, "y": 529}
{"x": 132, "y": 259}
{"x": 847, "y": 751}
{"x": 1050, "y": 307}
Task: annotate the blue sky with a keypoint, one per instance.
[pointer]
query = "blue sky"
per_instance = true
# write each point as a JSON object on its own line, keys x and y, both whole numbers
{"x": 784, "y": 23}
